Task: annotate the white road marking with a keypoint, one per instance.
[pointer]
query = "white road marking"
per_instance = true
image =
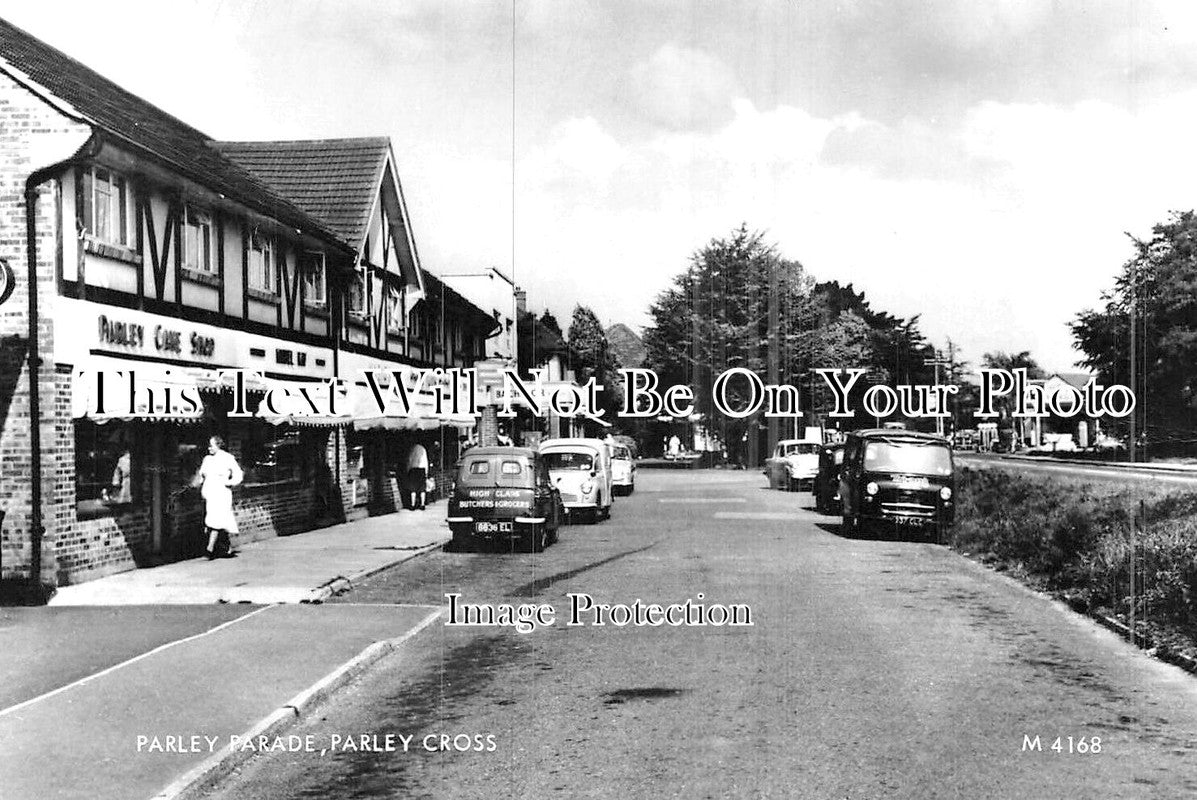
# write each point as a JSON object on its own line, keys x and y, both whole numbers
{"x": 695, "y": 500}
{"x": 89, "y": 678}
{"x": 755, "y": 515}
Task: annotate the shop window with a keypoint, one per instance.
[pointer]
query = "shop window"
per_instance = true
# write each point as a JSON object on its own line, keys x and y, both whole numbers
{"x": 269, "y": 455}
{"x": 108, "y": 466}
{"x": 263, "y": 274}
{"x": 105, "y": 206}
{"x": 314, "y": 291}
{"x": 197, "y": 240}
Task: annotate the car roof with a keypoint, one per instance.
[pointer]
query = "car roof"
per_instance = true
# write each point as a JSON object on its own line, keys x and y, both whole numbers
{"x": 593, "y": 444}
{"x": 495, "y": 450}
{"x": 892, "y": 433}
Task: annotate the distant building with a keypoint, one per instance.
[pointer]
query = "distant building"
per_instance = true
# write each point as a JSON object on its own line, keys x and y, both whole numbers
{"x": 495, "y": 293}
{"x": 627, "y": 346}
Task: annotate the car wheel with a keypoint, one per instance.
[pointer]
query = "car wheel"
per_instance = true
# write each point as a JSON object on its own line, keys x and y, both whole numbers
{"x": 850, "y": 526}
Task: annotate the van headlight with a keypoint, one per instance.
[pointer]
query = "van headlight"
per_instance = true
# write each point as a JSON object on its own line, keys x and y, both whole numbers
{"x": 587, "y": 487}
{"x": 872, "y": 487}
{"x": 945, "y": 493}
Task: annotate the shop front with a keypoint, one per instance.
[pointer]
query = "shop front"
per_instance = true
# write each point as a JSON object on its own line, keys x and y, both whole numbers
{"x": 140, "y": 418}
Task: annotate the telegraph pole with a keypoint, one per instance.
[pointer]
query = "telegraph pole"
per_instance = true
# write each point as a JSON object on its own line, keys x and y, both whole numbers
{"x": 937, "y": 362}
{"x": 772, "y": 364}
{"x": 1134, "y": 280}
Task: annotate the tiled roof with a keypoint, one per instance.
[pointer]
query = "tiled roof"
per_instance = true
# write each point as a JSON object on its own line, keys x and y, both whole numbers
{"x": 146, "y": 127}
{"x": 333, "y": 180}
{"x": 1074, "y": 379}
{"x": 436, "y": 290}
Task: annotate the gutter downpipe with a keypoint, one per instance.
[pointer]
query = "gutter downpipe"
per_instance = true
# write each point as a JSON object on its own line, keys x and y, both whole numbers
{"x": 37, "y": 591}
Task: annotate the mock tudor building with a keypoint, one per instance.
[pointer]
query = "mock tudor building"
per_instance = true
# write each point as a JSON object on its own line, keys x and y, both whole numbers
{"x": 153, "y": 250}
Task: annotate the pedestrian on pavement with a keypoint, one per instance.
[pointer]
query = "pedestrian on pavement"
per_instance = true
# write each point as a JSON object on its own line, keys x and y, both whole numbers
{"x": 417, "y": 475}
{"x": 121, "y": 490}
{"x": 217, "y": 476}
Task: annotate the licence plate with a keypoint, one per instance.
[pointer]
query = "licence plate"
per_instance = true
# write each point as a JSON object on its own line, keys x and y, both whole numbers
{"x": 912, "y": 483}
{"x": 914, "y": 522}
{"x": 492, "y": 527}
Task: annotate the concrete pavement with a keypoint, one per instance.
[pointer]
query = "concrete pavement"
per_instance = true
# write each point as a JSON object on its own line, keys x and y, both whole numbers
{"x": 158, "y": 724}
{"x": 141, "y": 693}
{"x": 302, "y": 568}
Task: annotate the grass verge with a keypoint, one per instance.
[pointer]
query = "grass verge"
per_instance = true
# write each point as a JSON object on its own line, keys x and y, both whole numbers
{"x": 1110, "y": 551}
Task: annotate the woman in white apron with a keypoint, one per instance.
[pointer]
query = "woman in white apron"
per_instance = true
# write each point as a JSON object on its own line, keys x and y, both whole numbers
{"x": 217, "y": 476}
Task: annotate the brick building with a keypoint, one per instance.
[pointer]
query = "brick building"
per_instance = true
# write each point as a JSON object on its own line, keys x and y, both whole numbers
{"x": 157, "y": 251}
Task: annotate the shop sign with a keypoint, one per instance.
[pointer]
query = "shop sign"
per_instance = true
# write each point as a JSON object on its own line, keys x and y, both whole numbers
{"x": 164, "y": 340}
{"x": 8, "y": 280}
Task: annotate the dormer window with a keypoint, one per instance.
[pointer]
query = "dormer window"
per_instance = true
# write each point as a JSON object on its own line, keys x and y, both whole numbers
{"x": 105, "y": 206}
{"x": 263, "y": 275}
{"x": 197, "y": 240}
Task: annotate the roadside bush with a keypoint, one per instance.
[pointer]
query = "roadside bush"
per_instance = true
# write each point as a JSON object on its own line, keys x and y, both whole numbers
{"x": 1076, "y": 538}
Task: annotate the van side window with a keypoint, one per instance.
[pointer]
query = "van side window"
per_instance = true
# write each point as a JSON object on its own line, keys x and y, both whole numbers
{"x": 479, "y": 467}
{"x": 511, "y": 468}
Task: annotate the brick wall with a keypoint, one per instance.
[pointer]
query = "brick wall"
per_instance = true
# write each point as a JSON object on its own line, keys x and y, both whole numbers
{"x": 32, "y": 133}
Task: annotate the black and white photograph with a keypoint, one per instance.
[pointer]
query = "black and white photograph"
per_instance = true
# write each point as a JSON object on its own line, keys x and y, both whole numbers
{"x": 598, "y": 399}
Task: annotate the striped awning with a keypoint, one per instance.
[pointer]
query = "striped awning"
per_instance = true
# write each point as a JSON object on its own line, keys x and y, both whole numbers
{"x": 125, "y": 392}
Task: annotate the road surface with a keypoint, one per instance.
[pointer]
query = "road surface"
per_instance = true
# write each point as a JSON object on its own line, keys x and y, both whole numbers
{"x": 872, "y": 669}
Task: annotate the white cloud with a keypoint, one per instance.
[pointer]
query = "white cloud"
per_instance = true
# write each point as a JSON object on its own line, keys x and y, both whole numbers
{"x": 683, "y": 89}
{"x": 1001, "y": 261}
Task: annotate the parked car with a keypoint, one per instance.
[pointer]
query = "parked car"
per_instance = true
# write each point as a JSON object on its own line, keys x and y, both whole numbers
{"x": 794, "y": 464}
{"x": 827, "y": 481}
{"x": 623, "y": 471}
{"x": 504, "y": 494}
{"x": 897, "y": 481}
{"x": 581, "y": 470}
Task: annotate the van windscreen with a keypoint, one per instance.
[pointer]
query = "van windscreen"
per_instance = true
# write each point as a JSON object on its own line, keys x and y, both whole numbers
{"x": 569, "y": 461}
{"x": 913, "y": 457}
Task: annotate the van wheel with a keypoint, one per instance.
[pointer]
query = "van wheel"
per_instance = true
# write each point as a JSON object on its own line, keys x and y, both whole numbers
{"x": 537, "y": 538}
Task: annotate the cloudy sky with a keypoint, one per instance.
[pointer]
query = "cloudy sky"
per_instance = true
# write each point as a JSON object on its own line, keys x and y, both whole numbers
{"x": 979, "y": 164}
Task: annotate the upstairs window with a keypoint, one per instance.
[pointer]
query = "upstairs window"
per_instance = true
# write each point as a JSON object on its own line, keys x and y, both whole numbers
{"x": 357, "y": 293}
{"x": 314, "y": 291}
{"x": 395, "y": 315}
{"x": 262, "y": 266}
{"x": 105, "y": 206}
{"x": 197, "y": 240}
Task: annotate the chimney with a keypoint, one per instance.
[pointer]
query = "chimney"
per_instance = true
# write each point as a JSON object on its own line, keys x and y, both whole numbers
{"x": 521, "y": 302}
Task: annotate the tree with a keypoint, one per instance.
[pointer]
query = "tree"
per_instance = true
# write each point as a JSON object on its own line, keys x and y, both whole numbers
{"x": 540, "y": 339}
{"x": 1000, "y": 359}
{"x": 1159, "y": 284}
{"x": 592, "y": 357}
{"x": 716, "y": 316}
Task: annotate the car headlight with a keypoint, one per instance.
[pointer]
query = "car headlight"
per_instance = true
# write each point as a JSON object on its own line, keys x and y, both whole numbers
{"x": 945, "y": 493}
{"x": 872, "y": 487}
{"x": 587, "y": 487}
